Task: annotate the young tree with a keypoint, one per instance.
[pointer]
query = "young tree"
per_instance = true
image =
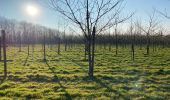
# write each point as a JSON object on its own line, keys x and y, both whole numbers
{"x": 139, "y": 33}
{"x": 116, "y": 36}
{"x": 149, "y": 30}
{"x": 132, "y": 35}
{"x": 110, "y": 41}
{"x": 89, "y": 16}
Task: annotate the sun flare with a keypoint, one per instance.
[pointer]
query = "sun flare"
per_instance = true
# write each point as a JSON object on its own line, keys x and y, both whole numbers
{"x": 32, "y": 10}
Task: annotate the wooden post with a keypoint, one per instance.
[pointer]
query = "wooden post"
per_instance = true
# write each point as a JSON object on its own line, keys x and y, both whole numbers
{"x": 28, "y": 45}
{"x": 4, "y": 52}
{"x": 28, "y": 49}
{"x": 44, "y": 48}
{"x": 59, "y": 45}
{"x": 19, "y": 42}
{"x": 0, "y": 50}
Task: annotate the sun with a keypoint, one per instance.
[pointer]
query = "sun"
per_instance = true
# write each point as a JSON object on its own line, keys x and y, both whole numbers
{"x": 32, "y": 10}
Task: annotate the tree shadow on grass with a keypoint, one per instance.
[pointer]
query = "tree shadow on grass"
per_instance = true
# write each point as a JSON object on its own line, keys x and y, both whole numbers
{"x": 77, "y": 63}
{"x": 97, "y": 80}
{"x": 2, "y": 79}
{"x": 6, "y": 60}
{"x": 109, "y": 88}
{"x": 89, "y": 79}
{"x": 56, "y": 79}
{"x": 25, "y": 62}
{"x": 15, "y": 54}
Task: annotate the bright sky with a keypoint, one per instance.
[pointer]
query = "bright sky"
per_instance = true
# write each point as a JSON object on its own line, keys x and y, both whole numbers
{"x": 18, "y": 9}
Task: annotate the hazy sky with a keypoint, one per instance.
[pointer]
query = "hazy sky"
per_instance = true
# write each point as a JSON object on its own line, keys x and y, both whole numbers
{"x": 16, "y": 9}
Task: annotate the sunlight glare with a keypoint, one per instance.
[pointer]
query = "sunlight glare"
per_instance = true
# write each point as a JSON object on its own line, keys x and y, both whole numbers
{"x": 32, "y": 10}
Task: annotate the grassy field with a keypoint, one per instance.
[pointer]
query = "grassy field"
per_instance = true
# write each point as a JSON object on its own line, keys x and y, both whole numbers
{"x": 65, "y": 76}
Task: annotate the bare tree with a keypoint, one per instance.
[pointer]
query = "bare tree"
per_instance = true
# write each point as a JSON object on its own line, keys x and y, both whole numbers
{"x": 139, "y": 32}
{"x": 165, "y": 14}
{"x": 152, "y": 26}
{"x": 89, "y": 16}
{"x": 132, "y": 41}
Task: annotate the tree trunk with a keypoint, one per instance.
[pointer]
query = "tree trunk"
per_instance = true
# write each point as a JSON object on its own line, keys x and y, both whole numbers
{"x": 0, "y": 50}
{"x": 20, "y": 42}
{"x": 116, "y": 45}
{"x": 89, "y": 58}
{"x": 44, "y": 49}
{"x": 28, "y": 49}
{"x": 133, "y": 49}
{"x": 93, "y": 49}
{"x": 133, "y": 52}
{"x": 4, "y": 52}
{"x": 148, "y": 43}
{"x": 59, "y": 46}
{"x": 116, "y": 37}
{"x": 110, "y": 46}
{"x": 66, "y": 45}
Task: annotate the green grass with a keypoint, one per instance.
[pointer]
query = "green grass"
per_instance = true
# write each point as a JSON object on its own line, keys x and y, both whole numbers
{"x": 65, "y": 76}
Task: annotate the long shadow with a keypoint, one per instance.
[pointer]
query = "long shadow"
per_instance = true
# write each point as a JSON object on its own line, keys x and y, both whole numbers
{"x": 2, "y": 80}
{"x": 95, "y": 79}
{"x": 109, "y": 88}
{"x": 56, "y": 79}
{"x": 98, "y": 81}
{"x": 15, "y": 54}
{"x": 25, "y": 62}
{"x": 76, "y": 62}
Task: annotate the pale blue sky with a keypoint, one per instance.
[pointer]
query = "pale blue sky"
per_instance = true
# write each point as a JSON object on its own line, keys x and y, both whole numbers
{"x": 15, "y": 9}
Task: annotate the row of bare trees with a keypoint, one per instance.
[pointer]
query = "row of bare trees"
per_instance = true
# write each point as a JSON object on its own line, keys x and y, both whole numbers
{"x": 93, "y": 17}
{"x": 96, "y": 16}
{"x": 26, "y": 34}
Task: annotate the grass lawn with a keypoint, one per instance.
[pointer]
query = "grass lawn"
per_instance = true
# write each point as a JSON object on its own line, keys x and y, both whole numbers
{"x": 65, "y": 76}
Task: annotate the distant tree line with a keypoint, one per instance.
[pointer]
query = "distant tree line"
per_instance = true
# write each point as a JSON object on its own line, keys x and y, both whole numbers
{"x": 24, "y": 33}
